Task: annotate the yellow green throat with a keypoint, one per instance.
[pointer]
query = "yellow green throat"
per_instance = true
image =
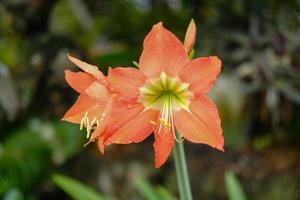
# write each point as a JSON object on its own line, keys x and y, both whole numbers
{"x": 166, "y": 94}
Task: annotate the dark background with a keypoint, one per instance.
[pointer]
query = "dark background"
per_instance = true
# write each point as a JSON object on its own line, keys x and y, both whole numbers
{"x": 257, "y": 95}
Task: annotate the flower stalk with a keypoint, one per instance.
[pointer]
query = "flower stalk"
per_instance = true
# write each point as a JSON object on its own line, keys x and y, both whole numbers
{"x": 181, "y": 172}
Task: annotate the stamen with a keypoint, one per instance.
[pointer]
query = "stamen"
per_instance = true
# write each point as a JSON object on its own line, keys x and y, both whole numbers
{"x": 88, "y": 142}
{"x": 153, "y": 122}
{"x": 93, "y": 121}
{"x": 90, "y": 126}
{"x": 135, "y": 63}
{"x": 176, "y": 139}
{"x": 164, "y": 122}
{"x": 168, "y": 95}
{"x": 81, "y": 123}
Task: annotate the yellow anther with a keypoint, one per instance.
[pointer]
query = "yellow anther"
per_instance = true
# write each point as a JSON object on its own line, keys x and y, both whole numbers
{"x": 164, "y": 122}
{"x": 89, "y": 125}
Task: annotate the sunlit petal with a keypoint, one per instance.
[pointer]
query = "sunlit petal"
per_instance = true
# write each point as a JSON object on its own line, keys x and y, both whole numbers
{"x": 79, "y": 81}
{"x": 136, "y": 130}
{"x": 162, "y": 52}
{"x": 164, "y": 142}
{"x": 91, "y": 69}
{"x": 126, "y": 82}
{"x": 201, "y": 73}
{"x": 202, "y": 124}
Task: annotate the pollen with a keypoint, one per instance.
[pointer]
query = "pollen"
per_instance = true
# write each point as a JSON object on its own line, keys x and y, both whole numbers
{"x": 164, "y": 122}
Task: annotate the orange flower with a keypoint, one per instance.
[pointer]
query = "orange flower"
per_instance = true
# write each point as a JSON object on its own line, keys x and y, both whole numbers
{"x": 167, "y": 92}
{"x": 94, "y": 103}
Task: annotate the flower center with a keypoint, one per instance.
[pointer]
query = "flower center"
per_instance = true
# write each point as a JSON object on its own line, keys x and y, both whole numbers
{"x": 166, "y": 94}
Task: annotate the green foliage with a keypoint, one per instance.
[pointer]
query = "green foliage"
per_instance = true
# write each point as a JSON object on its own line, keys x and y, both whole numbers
{"x": 63, "y": 20}
{"x": 149, "y": 192}
{"x": 164, "y": 193}
{"x": 146, "y": 190}
{"x": 233, "y": 187}
{"x": 66, "y": 140}
{"x": 9, "y": 51}
{"x": 262, "y": 142}
{"x": 75, "y": 189}
{"x": 80, "y": 191}
{"x": 13, "y": 194}
{"x": 113, "y": 59}
{"x": 25, "y": 159}
{"x": 29, "y": 153}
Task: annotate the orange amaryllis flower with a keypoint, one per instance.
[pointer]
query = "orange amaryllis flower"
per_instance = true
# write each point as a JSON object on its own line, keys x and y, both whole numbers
{"x": 94, "y": 103}
{"x": 167, "y": 92}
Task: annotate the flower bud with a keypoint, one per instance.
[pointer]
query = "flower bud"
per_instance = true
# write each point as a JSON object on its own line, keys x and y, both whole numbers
{"x": 190, "y": 36}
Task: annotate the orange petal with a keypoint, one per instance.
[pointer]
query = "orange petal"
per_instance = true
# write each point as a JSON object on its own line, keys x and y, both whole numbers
{"x": 201, "y": 73}
{"x": 122, "y": 113}
{"x": 190, "y": 36}
{"x": 162, "y": 52}
{"x": 79, "y": 81}
{"x": 136, "y": 130}
{"x": 117, "y": 117}
{"x": 80, "y": 107}
{"x": 164, "y": 142}
{"x": 101, "y": 144}
{"x": 98, "y": 91}
{"x": 91, "y": 69}
{"x": 126, "y": 82}
{"x": 109, "y": 107}
{"x": 202, "y": 124}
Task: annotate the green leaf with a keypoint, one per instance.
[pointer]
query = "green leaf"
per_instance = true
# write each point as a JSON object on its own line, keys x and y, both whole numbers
{"x": 164, "y": 193}
{"x": 26, "y": 159}
{"x": 233, "y": 187}
{"x": 62, "y": 20}
{"x": 75, "y": 189}
{"x": 115, "y": 58}
{"x": 69, "y": 139}
{"x": 145, "y": 189}
{"x": 9, "y": 48}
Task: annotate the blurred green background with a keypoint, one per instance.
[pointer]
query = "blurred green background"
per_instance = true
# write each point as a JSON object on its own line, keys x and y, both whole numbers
{"x": 257, "y": 93}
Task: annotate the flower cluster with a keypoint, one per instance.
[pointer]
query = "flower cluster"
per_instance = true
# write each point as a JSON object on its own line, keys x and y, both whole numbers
{"x": 164, "y": 95}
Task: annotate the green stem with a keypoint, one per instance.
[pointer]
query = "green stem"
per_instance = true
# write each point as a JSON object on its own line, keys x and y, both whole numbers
{"x": 181, "y": 172}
